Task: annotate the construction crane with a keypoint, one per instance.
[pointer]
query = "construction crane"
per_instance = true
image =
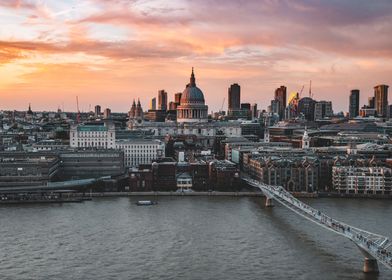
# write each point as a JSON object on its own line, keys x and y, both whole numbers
{"x": 78, "y": 111}
{"x": 300, "y": 93}
{"x": 310, "y": 89}
{"x": 223, "y": 103}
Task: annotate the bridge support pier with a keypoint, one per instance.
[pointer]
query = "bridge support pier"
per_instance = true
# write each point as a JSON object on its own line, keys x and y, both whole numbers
{"x": 269, "y": 202}
{"x": 370, "y": 266}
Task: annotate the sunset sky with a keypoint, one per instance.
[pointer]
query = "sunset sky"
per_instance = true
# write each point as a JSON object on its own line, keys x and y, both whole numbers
{"x": 108, "y": 52}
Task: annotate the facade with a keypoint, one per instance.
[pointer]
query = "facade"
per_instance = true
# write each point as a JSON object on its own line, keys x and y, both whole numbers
{"x": 107, "y": 113}
{"x": 140, "y": 151}
{"x": 354, "y": 104}
{"x": 296, "y": 173}
{"x": 323, "y": 109}
{"x": 362, "y": 179}
{"x": 82, "y": 164}
{"x": 234, "y": 99}
{"x": 162, "y": 100}
{"x": 27, "y": 169}
{"x": 381, "y": 100}
{"x": 97, "y": 111}
{"x": 306, "y": 107}
{"x": 153, "y": 104}
{"x": 97, "y": 135}
{"x": 136, "y": 112}
{"x": 281, "y": 96}
{"x": 192, "y": 106}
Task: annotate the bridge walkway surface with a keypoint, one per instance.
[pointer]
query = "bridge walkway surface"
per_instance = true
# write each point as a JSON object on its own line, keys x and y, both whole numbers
{"x": 373, "y": 246}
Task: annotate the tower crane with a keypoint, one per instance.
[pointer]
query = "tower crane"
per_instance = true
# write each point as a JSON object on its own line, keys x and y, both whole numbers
{"x": 300, "y": 93}
{"x": 223, "y": 103}
{"x": 78, "y": 111}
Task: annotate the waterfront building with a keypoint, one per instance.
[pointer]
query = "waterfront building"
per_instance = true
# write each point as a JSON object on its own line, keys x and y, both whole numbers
{"x": 91, "y": 163}
{"x": 295, "y": 171}
{"x": 362, "y": 179}
{"x": 381, "y": 100}
{"x": 27, "y": 169}
{"x": 93, "y": 135}
{"x": 354, "y": 104}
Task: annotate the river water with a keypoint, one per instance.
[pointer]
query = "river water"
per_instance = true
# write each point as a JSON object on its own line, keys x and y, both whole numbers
{"x": 184, "y": 238}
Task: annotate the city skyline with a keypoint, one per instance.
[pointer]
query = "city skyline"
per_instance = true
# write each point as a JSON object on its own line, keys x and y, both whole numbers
{"x": 111, "y": 52}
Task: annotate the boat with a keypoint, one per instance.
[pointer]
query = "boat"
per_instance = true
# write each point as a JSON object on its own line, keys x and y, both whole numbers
{"x": 146, "y": 202}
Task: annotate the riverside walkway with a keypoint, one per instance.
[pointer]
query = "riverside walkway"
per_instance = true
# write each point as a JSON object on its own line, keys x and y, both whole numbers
{"x": 375, "y": 247}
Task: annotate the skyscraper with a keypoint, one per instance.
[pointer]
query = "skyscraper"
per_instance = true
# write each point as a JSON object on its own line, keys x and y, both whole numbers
{"x": 381, "y": 100}
{"x": 177, "y": 98}
{"x": 97, "y": 110}
{"x": 281, "y": 96}
{"x": 162, "y": 100}
{"x": 354, "y": 104}
{"x": 234, "y": 98}
{"x": 323, "y": 109}
{"x": 153, "y": 104}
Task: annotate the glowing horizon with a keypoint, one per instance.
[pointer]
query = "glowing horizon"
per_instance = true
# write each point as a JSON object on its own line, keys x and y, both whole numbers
{"x": 109, "y": 52}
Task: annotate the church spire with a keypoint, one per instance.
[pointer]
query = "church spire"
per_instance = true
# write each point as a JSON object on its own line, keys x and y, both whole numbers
{"x": 193, "y": 80}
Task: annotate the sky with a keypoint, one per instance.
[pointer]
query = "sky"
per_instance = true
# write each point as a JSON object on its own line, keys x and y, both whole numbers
{"x": 110, "y": 52}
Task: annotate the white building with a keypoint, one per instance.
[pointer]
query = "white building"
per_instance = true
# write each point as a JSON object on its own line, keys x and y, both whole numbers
{"x": 366, "y": 180}
{"x": 140, "y": 151}
{"x": 93, "y": 135}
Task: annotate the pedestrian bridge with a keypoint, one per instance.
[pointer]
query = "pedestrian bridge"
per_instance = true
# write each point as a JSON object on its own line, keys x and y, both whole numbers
{"x": 375, "y": 247}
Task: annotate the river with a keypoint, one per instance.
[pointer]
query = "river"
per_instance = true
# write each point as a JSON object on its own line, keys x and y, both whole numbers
{"x": 184, "y": 238}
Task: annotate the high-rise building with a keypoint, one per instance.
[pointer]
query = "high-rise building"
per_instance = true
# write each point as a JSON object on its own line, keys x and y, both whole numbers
{"x": 234, "y": 98}
{"x": 281, "y": 96}
{"x": 371, "y": 102}
{"x": 255, "y": 112}
{"x": 322, "y": 109}
{"x": 172, "y": 106}
{"x": 106, "y": 113}
{"x": 97, "y": 111}
{"x": 177, "y": 98}
{"x": 306, "y": 107}
{"x": 162, "y": 100}
{"x": 354, "y": 104}
{"x": 381, "y": 100}
{"x": 153, "y": 104}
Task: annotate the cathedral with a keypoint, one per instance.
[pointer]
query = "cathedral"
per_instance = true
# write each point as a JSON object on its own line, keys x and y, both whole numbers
{"x": 192, "y": 106}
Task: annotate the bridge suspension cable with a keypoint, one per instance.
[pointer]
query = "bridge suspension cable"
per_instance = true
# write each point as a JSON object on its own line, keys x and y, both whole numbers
{"x": 373, "y": 246}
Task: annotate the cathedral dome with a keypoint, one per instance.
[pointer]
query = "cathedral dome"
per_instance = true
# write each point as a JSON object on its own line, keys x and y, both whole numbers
{"x": 192, "y": 106}
{"x": 192, "y": 94}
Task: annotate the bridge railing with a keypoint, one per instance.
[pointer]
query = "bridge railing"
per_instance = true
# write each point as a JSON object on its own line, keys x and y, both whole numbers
{"x": 373, "y": 244}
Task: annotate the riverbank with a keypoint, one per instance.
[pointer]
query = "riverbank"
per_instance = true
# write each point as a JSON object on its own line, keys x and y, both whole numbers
{"x": 242, "y": 194}
{"x": 213, "y": 193}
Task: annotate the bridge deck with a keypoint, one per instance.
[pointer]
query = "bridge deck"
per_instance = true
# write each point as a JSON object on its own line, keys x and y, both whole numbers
{"x": 374, "y": 246}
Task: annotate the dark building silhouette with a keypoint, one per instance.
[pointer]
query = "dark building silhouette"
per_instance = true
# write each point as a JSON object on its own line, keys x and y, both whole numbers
{"x": 177, "y": 98}
{"x": 281, "y": 96}
{"x": 381, "y": 100}
{"x": 153, "y": 104}
{"x": 97, "y": 110}
{"x": 371, "y": 102}
{"x": 162, "y": 100}
{"x": 354, "y": 103}
{"x": 234, "y": 96}
{"x": 306, "y": 107}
